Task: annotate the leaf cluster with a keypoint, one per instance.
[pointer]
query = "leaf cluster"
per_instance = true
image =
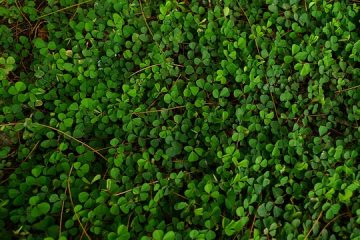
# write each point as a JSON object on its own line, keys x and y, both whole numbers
{"x": 173, "y": 119}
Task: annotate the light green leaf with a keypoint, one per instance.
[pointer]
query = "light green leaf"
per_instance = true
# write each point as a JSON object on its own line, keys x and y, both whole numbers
{"x": 123, "y": 232}
{"x": 323, "y": 130}
{"x": 193, "y": 157}
{"x": 20, "y": 86}
{"x": 226, "y": 11}
{"x": 262, "y": 210}
{"x": 158, "y": 234}
{"x": 169, "y": 236}
{"x": 295, "y": 49}
{"x": 305, "y": 70}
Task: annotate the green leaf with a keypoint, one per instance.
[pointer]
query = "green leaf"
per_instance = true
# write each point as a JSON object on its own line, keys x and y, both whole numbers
{"x": 127, "y": 54}
{"x": 288, "y": 59}
{"x": 242, "y": 43}
{"x": 52, "y": 46}
{"x": 74, "y": 107}
{"x": 83, "y": 196}
{"x": 39, "y": 43}
{"x": 180, "y": 205}
{"x": 225, "y": 92}
{"x": 123, "y": 232}
{"x": 323, "y": 130}
{"x": 158, "y": 234}
{"x": 226, "y": 11}
{"x": 40, "y": 209}
{"x": 295, "y": 49}
{"x": 132, "y": 92}
{"x": 194, "y": 90}
{"x": 34, "y": 200}
{"x": 208, "y": 187}
{"x": 301, "y": 56}
{"x": 199, "y": 211}
{"x": 332, "y": 211}
{"x": 273, "y": 8}
{"x": 167, "y": 98}
{"x": 68, "y": 122}
{"x": 262, "y": 212}
{"x": 275, "y": 152}
{"x": 4, "y": 152}
{"x": 216, "y": 93}
{"x": 36, "y": 171}
{"x": 128, "y": 31}
{"x": 10, "y": 61}
{"x": 169, "y": 236}
{"x": 189, "y": 70}
{"x": 20, "y": 86}
{"x": 193, "y": 157}
{"x": 305, "y": 70}
{"x": 118, "y": 20}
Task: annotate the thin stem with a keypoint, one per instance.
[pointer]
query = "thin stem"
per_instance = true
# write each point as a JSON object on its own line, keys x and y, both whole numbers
{"x": 63, "y": 133}
{"x": 181, "y": 196}
{"x": 143, "y": 69}
{"x": 21, "y": 12}
{"x": 9, "y": 124}
{"x": 154, "y": 65}
{"x": 164, "y": 109}
{"x": 143, "y": 14}
{"x": 252, "y": 225}
{"x": 333, "y": 220}
{"x": 75, "y": 139}
{"x": 257, "y": 47}
{"x": 158, "y": 110}
{"x": 347, "y": 89}
{"x": 151, "y": 183}
{"x": 61, "y": 215}
{"x": 129, "y": 190}
{"x": 63, "y": 9}
{"x": 73, "y": 206}
{"x": 148, "y": 27}
{"x": 32, "y": 150}
{"x": 312, "y": 227}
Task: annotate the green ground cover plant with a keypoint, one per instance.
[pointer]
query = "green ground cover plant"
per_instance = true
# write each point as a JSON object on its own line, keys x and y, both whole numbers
{"x": 164, "y": 120}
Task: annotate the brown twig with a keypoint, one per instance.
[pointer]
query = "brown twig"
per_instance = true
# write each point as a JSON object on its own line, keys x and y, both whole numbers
{"x": 82, "y": 234}
{"x": 75, "y": 139}
{"x": 151, "y": 183}
{"x": 32, "y": 150}
{"x": 158, "y": 110}
{"x": 147, "y": 25}
{"x": 26, "y": 158}
{"x": 332, "y": 220}
{"x": 257, "y": 46}
{"x": 164, "y": 109}
{"x": 154, "y": 65}
{"x": 143, "y": 69}
{"x": 129, "y": 190}
{"x": 73, "y": 206}
{"x": 66, "y": 135}
{"x": 252, "y": 225}
{"x": 181, "y": 196}
{"x": 347, "y": 89}
{"x": 61, "y": 214}
{"x": 312, "y": 227}
{"x": 65, "y": 8}
{"x": 21, "y": 12}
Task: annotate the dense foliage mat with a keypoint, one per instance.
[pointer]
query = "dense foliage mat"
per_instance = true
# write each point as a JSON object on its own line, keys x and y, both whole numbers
{"x": 179, "y": 120}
